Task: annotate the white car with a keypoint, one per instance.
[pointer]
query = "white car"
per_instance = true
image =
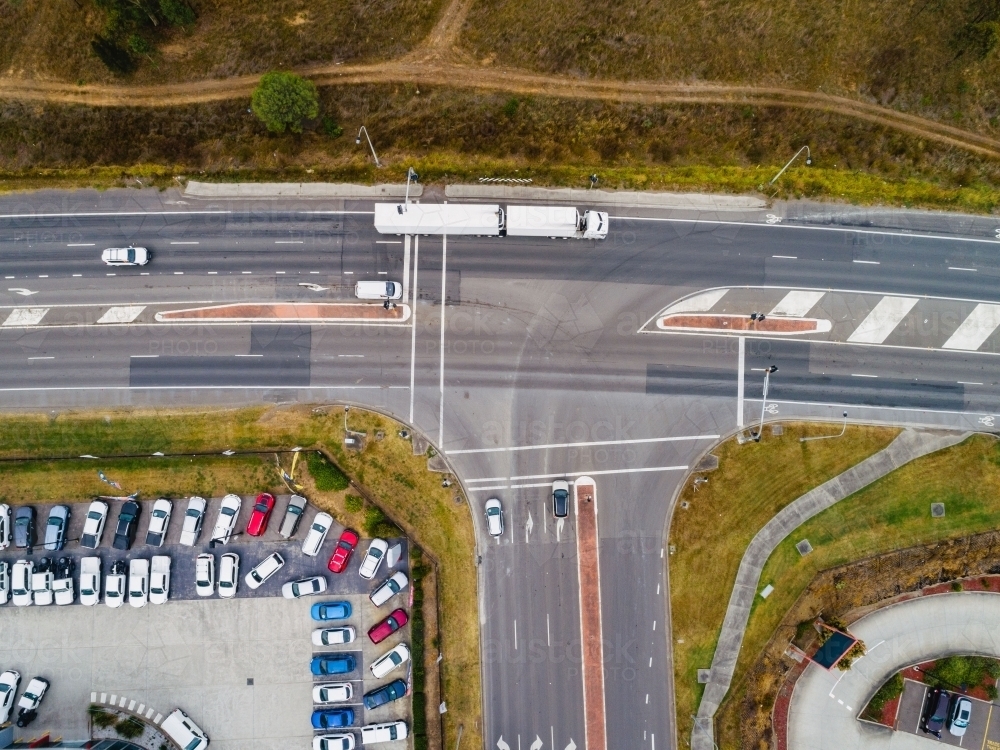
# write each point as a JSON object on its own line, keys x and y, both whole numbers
{"x": 320, "y": 527}
{"x": 194, "y": 516}
{"x": 229, "y": 575}
{"x": 373, "y": 558}
{"x": 20, "y": 582}
{"x": 126, "y": 256}
{"x": 4, "y": 583}
{"x": 93, "y": 526}
{"x": 90, "y": 581}
{"x": 32, "y": 696}
{"x": 138, "y": 582}
{"x": 204, "y": 574}
{"x": 159, "y": 579}
{"x": 114, "y": 585}
{"x": 372, "y": 734}
{"x": 333, "y": 742}
{"x": 264, "y": 570}
{"x": 156, "y": 534}
{"x": 378, "y": 290}
{"x": 41, "y": 587}
{"x": 333, "y": 636}
{"x": 304, "y": 587}
{"x": 9, "y": 682}
{"x": 228, "y": 514}
{"x": 389, "y": 661}
{"x": 5, "y": 527}
{"x": 494, "y": 517}
{"x": 333, "y": 692}
{"x": 64, "y": 591}
{"x": 389, "y": 588}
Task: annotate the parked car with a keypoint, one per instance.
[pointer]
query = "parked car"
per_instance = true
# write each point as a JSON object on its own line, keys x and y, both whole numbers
{"x": 372, "y": 734}
{"x": 323, "y": 611}
{"x": 41, "y": 583}
{"x": 494, "y": 517}
{"x": 264, "y": 570}
{"x": 326, "y": 664}
{"x": 389, "y": 661}
{"x": 959, "y": 715}
{"x": 156, "y": 534}
{"x": 333, "y": 692}
{"x": 935, "y": 712}
{"x": 126, "y": 256}
{"x": 4, "y": 582}
{"x": 226, "y": 522}
{"x": 304, "y": 587}
{"x": 93, "y": 526}
{"x": 194, "y": 516}
{"x": 384, "y": 628}
{"x": 373, "y": 558}
{"x": 320, "y": 527}
{"x": 560, "y": 498}
{"x": 32, "y": 696}
{"x": 179, "y": 727}
{"x": 20, "y": 582}
{"x": 204, "y": 574}
{"x": 333, "y": 742}
{"x": 63, "y": 588}
{"x": 159, "y": 579}
{"x": 229, "y": 575}
{"x": 332, "y": 718}
{"x": 389, "y": 588}
{"x": 138, "y": 582}
{"x": 90, "y": 581}
{"x": 9, "y": 683}
{"x": 24, "y": 527}
{"x": 333, "y": 636}
{"x": 293, "y": 514}
{"x": 128, "y": 519}
{"x": 6, "y": 532}
{"x": 55, "y": 528}
{"x": 114, "y": 585}
{"x": 260, "y": 515}
{"x": 385, "y": 694}
{"x": 342, "y": 552}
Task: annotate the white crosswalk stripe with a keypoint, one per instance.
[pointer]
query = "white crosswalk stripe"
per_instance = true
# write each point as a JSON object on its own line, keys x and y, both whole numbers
{"x": 975, "y": 329}
{"x": 796, "y": 303}
{"x": 123, "y": 314}
{"x": 882, "y": 320}
{"x": 698, "y": 303}
{"x": 26, "y": 316}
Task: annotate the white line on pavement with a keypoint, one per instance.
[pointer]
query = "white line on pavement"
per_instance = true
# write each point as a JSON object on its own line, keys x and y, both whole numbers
{"x": 583, "y": 445}
{"x": 389, "y": 242}
{"x": 741, "y": 369}
{"x": 498, "y": 487}
{"x": 975, "y": 329}
{"x": 30, "y": 358}
{"x": 185, "y": 243}
{"x": 860, "y": 375}
{"x": 413, "y": 323}
{"x": 248, "y": 355}
{"x": 444, "y": 281}
{"x": 797, "y": 303}
{"x": 868, "y": 262}
{"x": 967, "y": 382}
{"x": 959, "y": 268}
{"x": 786, "y": 257}
{"x": 25, "y": 316}
{"x": 80, "y": 244}
{"x": 488, "y": 479}
{"x": 110, "y": 214}
{"x": 601, "y": 472}
{"x": 288, "y": 242}
{"x": 883, "y": 319}
{"x": 200, "y": 388}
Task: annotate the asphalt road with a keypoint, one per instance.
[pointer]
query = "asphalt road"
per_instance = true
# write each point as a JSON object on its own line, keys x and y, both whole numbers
{"x": 544, "y": 375}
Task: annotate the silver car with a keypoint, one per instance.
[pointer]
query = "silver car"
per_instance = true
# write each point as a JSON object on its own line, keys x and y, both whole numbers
{"x": 226, "y": 522}
{"x": 55, "y": 528}
{"x": 194, "y": 517}
{"x": 293, "y": 514}
{"x": 156, "y": 534}
{"x": 93, "y": 526}
{"x": 5, "y": 530}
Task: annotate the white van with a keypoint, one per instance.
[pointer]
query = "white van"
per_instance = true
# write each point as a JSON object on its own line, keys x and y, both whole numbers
{"x": 179, "y": 727}
{"x": 378, "y": 290}
{"x": 388, "y": 732}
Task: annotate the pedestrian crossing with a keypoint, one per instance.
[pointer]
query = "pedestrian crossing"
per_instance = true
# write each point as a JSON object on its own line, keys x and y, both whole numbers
{"x": 26, "y": 317}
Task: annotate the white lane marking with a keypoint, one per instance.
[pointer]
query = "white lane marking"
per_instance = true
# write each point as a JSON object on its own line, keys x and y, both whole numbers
{"x": 702, "y": 302}
{"x": 487, "y": 479}
{"x": 740, "y": 372}
{"x": 389, "y": 242}
{"x": 797, "y": 303}
{"x": 246, "y": 273}
{"x": 43, "y": 276}
{"x": 346, "y": 273}
{"x": 657, "y": 589}
{"x": 501, "y": 745}
{"x": 975, "y": 329}
{"x": 868, "y": 262}
{"x": 248, "y": 355}
{"x": 385, "y": 273}
{"x": 185, "y": 243}
{"x": 537, "y": 744}
{"x": 967, "y": 382}
{"x": 559, "y": 527}
{"x": 493, "y": 487}
{"x": 80, "y": 244}
{"x": 413, "y": 324}
{"x": 125, "y": 314}
{"x": 654, "y": 625}
{"x": 25, "y": 316}
{"x": 647, "y": 699}
{"x": 584, "y": 445}
{"x": 548, "y": 633}
{"x": 786, "y": 257}
{"x": 213, "y": 273}
{"x": 352, "y": 387}
{"x": 110, "y": 274}
{"x": 883, "y": 319}
{"x": 111, "y": 214}
{"x": 650, "y": 661}
{"x": 22, "y": 291}
{"x": 351, "y": 356}
{"x": 288, "y": 242}
{"x": 178, "y": 273}
{"x": 8, "y": 277}
{"x": 444, "y": 280}
{"x": 77, "y": 274}
{"x": 144, "y": 356}
{"x": 862, "y": 375}
{"x": 279, "y": 272}
{"x": 310, "y": 286}
{"x": 959, "y": 268}
{"x": 602, "y": 471}
{"x": 515, "y": 635}
{"x": 528, "y": 526}
{"x": 315, "y": 273}
{"x": 31, "y": 358}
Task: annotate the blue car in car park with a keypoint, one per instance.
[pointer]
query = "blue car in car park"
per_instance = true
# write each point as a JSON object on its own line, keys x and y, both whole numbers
{"x": 323, "y": 611}
{"x": 332, "y": 718}
{"x": 326, "y": 664}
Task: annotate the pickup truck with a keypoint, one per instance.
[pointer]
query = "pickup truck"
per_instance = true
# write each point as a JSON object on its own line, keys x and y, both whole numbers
{"x": 159, "y": 579}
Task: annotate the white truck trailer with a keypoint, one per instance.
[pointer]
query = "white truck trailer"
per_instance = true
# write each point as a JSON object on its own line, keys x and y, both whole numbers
{"x": 490, "y": 220}
{"x": 556, "y": 221}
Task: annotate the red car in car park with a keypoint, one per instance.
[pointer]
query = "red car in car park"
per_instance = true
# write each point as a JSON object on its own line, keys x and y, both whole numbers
{"x": 382, "y": 630}
{"x": 262, "y": 508}
{"x": 342, "y": 552}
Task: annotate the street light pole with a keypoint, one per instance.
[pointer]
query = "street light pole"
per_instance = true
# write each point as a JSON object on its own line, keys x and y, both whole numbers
{"x": 763, "y": 403}
{"x": 410, "y": 174}
{"x": 808, "y": 161}
{"x": 827, "y": 437}
{"x": 357, "y": 141}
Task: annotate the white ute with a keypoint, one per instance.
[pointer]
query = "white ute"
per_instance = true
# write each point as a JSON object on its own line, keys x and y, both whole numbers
{"x": 20, "y": 583}
{"x": 41, "y": 588}
{"x": 138, "y": 582}
{"x": 373, "y": 734}
{"x": 90, "y": 581}
{"x": 159, "y": 579}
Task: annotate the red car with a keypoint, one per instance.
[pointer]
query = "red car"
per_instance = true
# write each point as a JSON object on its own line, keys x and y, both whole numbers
{"x": 388, "y": 626}
{"x": 257, "y": 524}
{"x": 342, "y": 552}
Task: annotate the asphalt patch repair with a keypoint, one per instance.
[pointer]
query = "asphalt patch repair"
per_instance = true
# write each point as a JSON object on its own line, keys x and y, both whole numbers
{"x": 984, "y": 726}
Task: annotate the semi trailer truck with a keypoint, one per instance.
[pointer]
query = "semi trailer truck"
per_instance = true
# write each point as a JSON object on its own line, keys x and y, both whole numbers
{"x": 490, "y": 220}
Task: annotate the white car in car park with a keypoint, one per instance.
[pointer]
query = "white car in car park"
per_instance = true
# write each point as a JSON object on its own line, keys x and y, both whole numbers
{"x": 494, "y": 517}
{"x": 90, "y": 581}
{"x": 41, "y": 587}
{"x": 389, "y": 588}
{"x": 389, "y": 661}
{"x": 114, "y": 585}
{"x": 333, "y": 692}
{"x": 156, "y": 534}
{"x": 5, "y": 527}
{"x": 4, "y": 581}
{"x": 333, "y": 742}
{"x": 179, "y": 727}
{"x": 204, "y": 574}
{"x": 20, "y": 583}
{"x": 264, "y": 570}
{"x": 159, "y": 579}
{"x": 373, "y": 734}
{"x": 304, "y": 587}
{"x": 228, "y": 513}
{"x": 93, "y": 526}
{"x": 194, "y": 517}
{"x": 333, "y": 636}
{"x": 229, "y": 575}
{"x": 318, "y": 530}
{"x": 373, "y": 558}
{"x": 32, "y": 696}
{"x": 9, "y": 682}
{"x": 138, "y": 582}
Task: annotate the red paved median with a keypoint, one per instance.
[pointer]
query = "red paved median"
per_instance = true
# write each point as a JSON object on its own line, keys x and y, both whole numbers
{"x": 589, "y": 572}
{"x": 742, "y": 324}
{"x": 290, "y": 311}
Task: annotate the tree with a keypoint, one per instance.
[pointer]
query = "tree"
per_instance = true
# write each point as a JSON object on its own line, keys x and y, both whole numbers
{"x": 283, "y": 100}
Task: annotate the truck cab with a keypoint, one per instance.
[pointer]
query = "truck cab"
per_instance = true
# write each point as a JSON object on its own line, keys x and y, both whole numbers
{"x": 595, "y": 225}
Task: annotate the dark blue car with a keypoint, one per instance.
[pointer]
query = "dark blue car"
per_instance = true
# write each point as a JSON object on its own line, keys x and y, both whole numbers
{"x": 387, "y": 694}
{"x": 332, "y": 718}
{"x": 332, "y": 664}
{"x": 324, "y": 611}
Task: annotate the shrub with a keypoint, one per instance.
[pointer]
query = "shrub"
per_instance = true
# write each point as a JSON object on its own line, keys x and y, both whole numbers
{"x": 138, "y": 45}
{"x": 892, "y": 689}
{"x": 328, "y": 476}
{"x": 282, "y": 101}
{"x": 177, "y": 12}
{"x": 966, "y": 671}
{"x": 331, "y": 128}
{"x": 130, "y": 728}
{"x": 956, "y": 585}
{"x": 376, "y": 523}
{"x": 100, "y": 717}
{"x": 354, "y": 503}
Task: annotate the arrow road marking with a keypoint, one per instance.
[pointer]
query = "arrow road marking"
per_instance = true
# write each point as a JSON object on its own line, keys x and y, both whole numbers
{"x": 528, "y": 527}
{"x": 537, "y": 744}
{"x": 501, "y": 745}
{"x": 571, "y": 745}
{"x": 313, "y": 287}
{"x": 22, "y": 291}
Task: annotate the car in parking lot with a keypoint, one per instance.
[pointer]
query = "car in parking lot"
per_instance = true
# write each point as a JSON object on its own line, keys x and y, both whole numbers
{"x": 138, "y": 582}
{"x": 386, "y": 627}
{"x": 20, "y": 582}
{"x": 126, "y": 256}
{"x": 93, "y": 526}
{"x": 204, "y": 574}
{"x": 373, "y": 558}
{"x": 32, "y": 696}
{"x": 385, "y": 694}
{"x": 90, "y": 581}
{"x": 63, "y": 588}
{"x": 9, "y": 682}
{"x": 24, "y": 527}
{"x": 935, "y": 712}
{"x": 229, "y": 511}
{"x": 156, "y": 534}
{"x": 6, "y": 533}
{"x": 389, "y": 588}
{"x": 179, "y": 727}
{"x": 41, "y": 583}
{"x": 326, "y": 664}
{"x": 389, "y": 661}
{"x": 318, "y": 530}
{"x": 304, "y": 587}
{"x": 958, "y": 715}
{"x": 494, "y": 517}
{"x": 229, "y": 575}
{"x": 293, "y": 514}
{"x": 159, "y": 579}
{"x": 372, "y": 734}
{"x": 333, "y": 636}
{"x": 333, "y": 742}
{"x": 333, "y": 692}
{"x": 560, "y": 498}
{"x": 264, "y": 570}
{"x": 114, "y": 585}
{"x": 4, "y": 581}
{"x": 323, "y": 611}
{"x": 342, "y": 551}
{"x": 55, "y": 528}
{"x": 261, "y": 513}
{"x": 128, "y": 519}
{"x": 194, "y": 517}
{"x": 326, "y": 718}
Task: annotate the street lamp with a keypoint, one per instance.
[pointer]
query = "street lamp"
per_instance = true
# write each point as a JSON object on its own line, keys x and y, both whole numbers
{"x": 826, "y": 437}
{"x": 763, "y": 403}
{"x": 808, "y": 162}
{"x": 357, "y": 141}
{"x": 410, "y": 174}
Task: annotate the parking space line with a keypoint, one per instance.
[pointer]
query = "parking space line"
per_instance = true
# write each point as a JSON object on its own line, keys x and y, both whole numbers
{"x": 590, "y": 444}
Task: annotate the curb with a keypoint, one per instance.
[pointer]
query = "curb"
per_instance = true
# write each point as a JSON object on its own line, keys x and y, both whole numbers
{"x": 618, "y": 198}
{"x": 296, "y": 190}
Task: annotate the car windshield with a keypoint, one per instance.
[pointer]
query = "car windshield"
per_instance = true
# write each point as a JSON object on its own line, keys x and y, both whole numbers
{"x": 225, "y": 584}
{"x": 4, "y": 689}
{"x": 126, "y": 518}
{"x": 344, "y": 545}
{"x": 95, "y": 515}
{"x": 229, "y": 511}
{"x": 376, "y": 553}
{"x": 295, "y": 510}
{"x": 493, "y": 511}
{"x": 395, "y": 658}
{"x": 22, "y": 521}
{"x": 57, "y": 522}
{"x": 192, "y": 513}
{"x": 260, "y": 507}
{"x": 318, "y": 527}
{"x": 30, "y": 696}
{"x": 159, "y": 514}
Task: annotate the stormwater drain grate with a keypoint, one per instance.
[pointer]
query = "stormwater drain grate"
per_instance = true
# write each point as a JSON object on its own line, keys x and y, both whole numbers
{"x": 804, "y": 547}
{"x": 937, "y": 510}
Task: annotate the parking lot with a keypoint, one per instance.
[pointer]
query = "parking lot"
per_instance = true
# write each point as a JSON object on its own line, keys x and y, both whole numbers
{"x": 984, "y": 724}
{"x": 239, "y": 668}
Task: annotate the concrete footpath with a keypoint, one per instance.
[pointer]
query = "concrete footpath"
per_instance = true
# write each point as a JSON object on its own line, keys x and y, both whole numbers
{"x": 297, "y": 190}
{"x": 619, "y": 198}
{"x": 909, "y": 445}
